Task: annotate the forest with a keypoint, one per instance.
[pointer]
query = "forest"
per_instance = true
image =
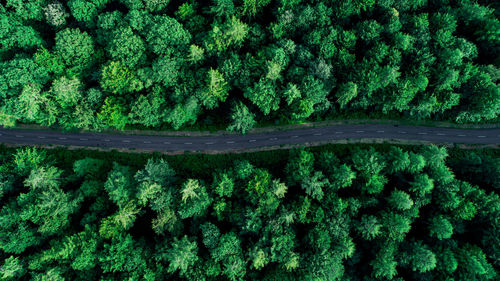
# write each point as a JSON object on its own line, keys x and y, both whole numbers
{"x": 173, "y": 64}
{"x": 357, "y": 212}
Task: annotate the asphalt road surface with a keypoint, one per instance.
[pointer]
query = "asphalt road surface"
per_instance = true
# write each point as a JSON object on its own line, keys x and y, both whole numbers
{"x": 251, "y": 141}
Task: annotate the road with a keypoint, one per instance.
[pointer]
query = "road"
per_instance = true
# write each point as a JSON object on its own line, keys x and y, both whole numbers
{"x": 251, "y": 141}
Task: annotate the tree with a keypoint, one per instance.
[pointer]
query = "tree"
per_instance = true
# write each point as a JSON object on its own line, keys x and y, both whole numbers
{"x": 342, "y": 176}
{"x": 263, "y": 95}
{"x": 167, "y": 71}
{"x": 291, "y": 93}
{"x": 118, "y": 79}
{"x": 123, "y": 254}
{"x": 127, "y": 47}
{"x": 395, "y": 225}
{"x": 368, "y": 162}
{"x": 166, "y": 36}
{"x": 397, "y": 159}
{"x": 75, "y": 48}
{"x": 182, "y": 255}
{"x": 113, "y": 114}
{"x": 119, "y": 185}
{"x": 86, "y": 10}
{"x": 215, "y": 91}
{"x": 195, "y": 199}
{"x": 400, "y": 200}
{"x": 196, "y": 54}
{"x": 346, "y": 93}
{"x": 222, "y": 8}
{"x": 243, "y": 119}
{"x": 183, "y": 114}
{"x": 369, "y": 228}
{"x": 67, "y": 92}
{"x": 300, "y": 165}
{"x": 31, "y": 102}
{"x": 384, "y": 264}
{"x": 232, "y": 33}
{"x": 440, "y": 227}
{"x": 43, "y": 178}
{"x": 314, "y": 185}
{"x": 422, "y": 184}
{"x": 12, "y": 269}
{"x": 229, "y": 253}
{"x": 421, "y": 258}
{"x": 147, "y": 111}
{"x": 252, "y": 7}
{"x": 16, "y": 73}
{"x": 55, "y": 14}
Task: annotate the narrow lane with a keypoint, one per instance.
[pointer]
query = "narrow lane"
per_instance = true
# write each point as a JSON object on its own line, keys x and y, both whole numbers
{"x": 250, "y": 141}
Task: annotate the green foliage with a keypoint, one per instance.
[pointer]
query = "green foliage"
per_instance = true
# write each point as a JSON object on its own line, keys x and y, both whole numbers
{"x": 112, "y": 114}
{"x": 166, "y": 36}
{"x": 92, "y": 218}
{"x": 12, "y": 269}
{"x": 216, "y": 89}
{"x": 293, "y": 60}
{"x": 127, "y": 47}
{"x": 75, "y": 48}
{"x": 118, "y": 79}
{"x": 441, "y": 228}
{"x": 242, "y": 118}
{"x": 182, "y": 256}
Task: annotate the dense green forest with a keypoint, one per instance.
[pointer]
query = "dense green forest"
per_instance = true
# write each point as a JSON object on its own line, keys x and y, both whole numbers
{"x": 97, "y": 64}
{"x": 332, "y": 213}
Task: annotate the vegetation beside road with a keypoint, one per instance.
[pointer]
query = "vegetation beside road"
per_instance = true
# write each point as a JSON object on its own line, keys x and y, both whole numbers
{"x": 91, "y": 64}
{"x": 324, "y": 213}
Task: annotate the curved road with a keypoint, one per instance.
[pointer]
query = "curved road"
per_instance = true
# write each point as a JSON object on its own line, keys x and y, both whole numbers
{"x": 251, "y": 141}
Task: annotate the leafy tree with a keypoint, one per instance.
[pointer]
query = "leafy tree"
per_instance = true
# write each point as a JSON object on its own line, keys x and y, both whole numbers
{"x": 118, "y": 79}
{"x": 166, "y": 36}
{"x": 123, "y": 254}
{"x": 182, "y": 255}
{"x": 195, "y": 199}
{"x": 397, "y": 159}
{"x": 252, "y": 7}
{"x": 300, "y": 165}
{"x": 216, "y": 89}
{"x": 441, "y": 228}
{"x": 342, "y": 176}
{"x": 314, "y": 185}
{"x": 17, "y": 73}
{"x": 167, "y": 70}
{"x": 384, "y": 264}
{"x": 422, "y": 259}
{"x": 196, "y": 54}
{"x": 232, "y": 33}
{"x": 243, "y": 119}
{"x": 67, "y": 91}
{"x": 422, "y": 185}
{"x": 229, "y": 253}
{"x": 346, "y": 93}
{"x": 112, "y": 114}
{"x": 86, "y": 10}
{"x": 369, "y": 227}
{"x": 55, "y": 14}
{"x": 400, "y": 200}
{"x": 264, "y": 96}
{"x": 147, "y": 111}
{"x": 75, "y": 48}
{"x": 182, "y": 114}
{"x": 12, "y": 269}
{"x": 127, "y": 47}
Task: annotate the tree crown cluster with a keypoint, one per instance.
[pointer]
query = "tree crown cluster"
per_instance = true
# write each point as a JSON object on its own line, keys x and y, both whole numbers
{"x": 369, "y": 214}
{"x": 96, "y": 64}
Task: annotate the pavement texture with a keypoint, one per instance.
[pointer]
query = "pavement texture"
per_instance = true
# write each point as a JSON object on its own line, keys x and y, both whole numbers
{"x": 251, "y": 141}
